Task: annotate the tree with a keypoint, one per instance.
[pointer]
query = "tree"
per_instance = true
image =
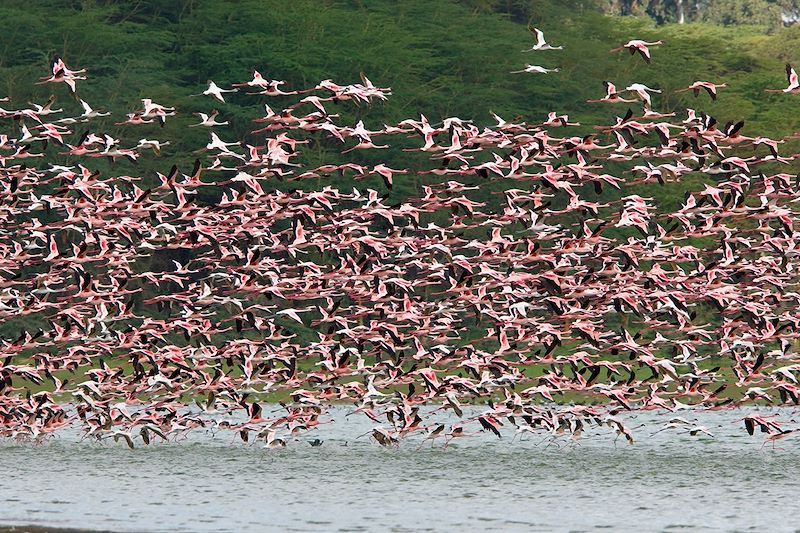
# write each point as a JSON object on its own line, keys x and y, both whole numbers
{"x": 790, "y": 11}
{"x": 770, "y": 13}
{"x": 623, "y": 7}
{"x": 732, "y": 12}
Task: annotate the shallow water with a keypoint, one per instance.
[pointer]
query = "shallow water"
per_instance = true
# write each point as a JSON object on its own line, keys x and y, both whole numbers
{"x": 665, "y": 482}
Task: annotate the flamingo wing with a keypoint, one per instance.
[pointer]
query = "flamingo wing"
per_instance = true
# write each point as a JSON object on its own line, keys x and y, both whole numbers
{"x": 792, "y": 75}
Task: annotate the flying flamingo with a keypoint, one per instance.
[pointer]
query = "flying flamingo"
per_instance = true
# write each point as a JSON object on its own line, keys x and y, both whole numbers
{"x": 215, "y": 91}
{"x": 612, "y": 95}
{"x": 219, "y": 291}
{"x": 643, "y": 91}
{"x": 540, "y": 42}
{"x": 794, "y": 83}
{"x": 535, "y": 69}
{"x": 637, "y": 45}
{"x": 209, "y": 120}
{"x": 710, "y": 88}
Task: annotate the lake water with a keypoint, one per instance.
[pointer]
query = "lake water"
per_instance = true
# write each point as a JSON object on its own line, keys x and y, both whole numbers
{"x": 669, "y": 482}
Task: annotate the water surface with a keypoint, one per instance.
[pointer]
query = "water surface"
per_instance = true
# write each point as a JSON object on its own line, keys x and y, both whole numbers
{"x": 668, "y": 481}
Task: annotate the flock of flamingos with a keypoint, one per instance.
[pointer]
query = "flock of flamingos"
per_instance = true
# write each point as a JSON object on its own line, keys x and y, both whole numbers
{"x": 561, "y": 300}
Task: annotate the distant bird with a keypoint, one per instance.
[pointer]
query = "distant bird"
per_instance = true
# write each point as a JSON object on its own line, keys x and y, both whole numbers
{"x": 88, "y": 112}
{"x": 153, "y": 145}
{"x": 61, "y": 74}
{"x": 208, "y": 121}
{"x": 257, "y": 81}
{"x": 794, "y": 83}
{"x": 637, "y": 45}
{"x": 535, "y": 69}
{"x": 710, "y": 88}
{"x": 153, "y": 110}
{"x": 554, "y": 119}
{"x": 765, "y": 425}
{"x": 387, "y": 174}
{"x": 540, "y": 42}
{"x": 273, "y": 441}
{"x": 215, "y": 91}
{"x": 218, "y": 144}
{"x": 643, "y": 91}
{"x": 612, "y": 96}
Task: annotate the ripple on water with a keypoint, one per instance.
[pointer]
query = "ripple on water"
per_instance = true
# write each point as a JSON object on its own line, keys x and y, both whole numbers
{"x": 666, "y": 482}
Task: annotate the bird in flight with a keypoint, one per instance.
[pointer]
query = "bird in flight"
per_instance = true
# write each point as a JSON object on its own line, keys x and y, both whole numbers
{"x": 535, "y": 69}
{"x": 710, "y": 88}
{"x": 794, "y": 83}
{"x": 643, "y": 91}
{"x": 637, "y": 45}
{"x": 218, "y": 290}
{"x": 215, "y": 91}
{"x": 540, "y": 42}
{"x": 612, "y": 95}
{"x": 208, "y": 120}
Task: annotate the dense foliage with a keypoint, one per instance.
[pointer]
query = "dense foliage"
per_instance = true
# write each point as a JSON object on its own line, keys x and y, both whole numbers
{"x": 441, "y": 58}
{"x": 771, "y": 13}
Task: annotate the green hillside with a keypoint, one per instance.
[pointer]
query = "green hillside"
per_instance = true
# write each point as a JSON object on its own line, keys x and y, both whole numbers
{"x": 441, "y": 58}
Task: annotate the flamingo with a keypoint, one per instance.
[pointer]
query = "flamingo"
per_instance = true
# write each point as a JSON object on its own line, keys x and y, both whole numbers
{"x": 216, "y": 92}
{"x": 638, "y": 45}
{"x": 794, "y": 83}
{"x": 612, "y": 95}
{"x": 710, "y": 88}
{"x": 540, "y": 42}
{"x": 535, "y": 69}
{"x": 257, "y": 81}
{"x": 643, "y": 91}
{"x": 209, "y": 120}
{"x": 89, "y": 113}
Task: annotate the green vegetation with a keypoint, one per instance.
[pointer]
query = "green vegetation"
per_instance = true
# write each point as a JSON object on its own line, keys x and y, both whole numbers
{"x": 770, "y": 13}
{"x": 441, "y": 58}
